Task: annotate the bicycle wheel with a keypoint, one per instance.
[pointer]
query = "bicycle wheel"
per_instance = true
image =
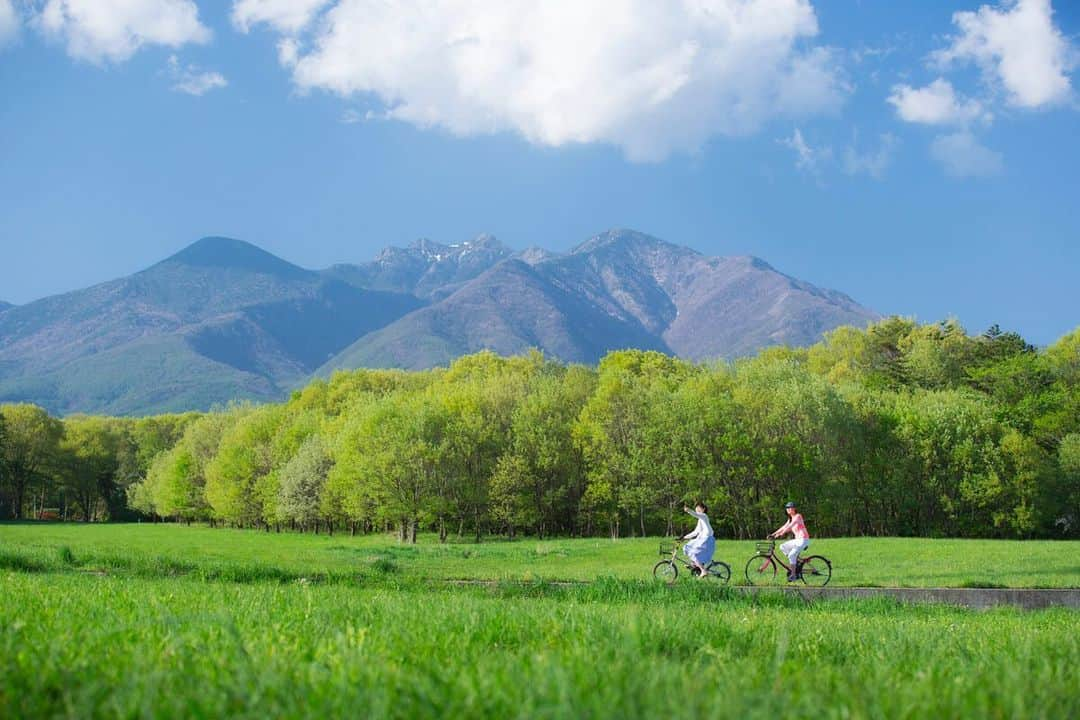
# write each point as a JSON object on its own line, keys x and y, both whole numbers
{"x": 761, "y": 570}
{"x": 666, "y": 571}
{"x": 719, "y": 572}
{"x": 816, "y": 571}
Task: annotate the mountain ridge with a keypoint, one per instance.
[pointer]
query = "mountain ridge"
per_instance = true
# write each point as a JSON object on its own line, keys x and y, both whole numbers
{"x": 223, "y": 319}
{"x": 660, "y": 295}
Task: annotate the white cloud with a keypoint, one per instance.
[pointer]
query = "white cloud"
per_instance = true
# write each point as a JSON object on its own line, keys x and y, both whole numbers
{"x": 191, "y": 79}
{"x": 9, "y": 22}
{"x": 962, "y": 156}
{"x": 287, "y": 16}
{"x": 351, "y": 116}
{"x": 935, "y": 104}
{"x": 872, "y": 162}
{"x": 649, "y": 77}
{"x": 113, "y": 30}
{"x": 288, "y": 51}
{"x": 1018, "y": 46}
{"x": 806, "y": 158}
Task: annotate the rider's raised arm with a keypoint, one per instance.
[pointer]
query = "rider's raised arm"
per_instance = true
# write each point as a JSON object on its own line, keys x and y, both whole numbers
{"x": 782, "y": 529}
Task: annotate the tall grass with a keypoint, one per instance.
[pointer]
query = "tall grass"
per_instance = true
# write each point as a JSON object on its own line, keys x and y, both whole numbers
{"x": 76, "y": 645}
{"x": 158, "y": 621}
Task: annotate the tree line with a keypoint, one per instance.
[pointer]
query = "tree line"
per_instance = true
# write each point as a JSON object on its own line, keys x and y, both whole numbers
{"x": 895, "y": 429}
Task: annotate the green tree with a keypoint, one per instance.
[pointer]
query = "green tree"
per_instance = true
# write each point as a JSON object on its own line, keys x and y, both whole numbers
{"x": 6, "y": 490}
{"x": 241, "y": 485}
{"x": 386, "y": 463}
{"x": 625, "y": 476}
{"x": 1065, "y": 513}
{"x": 88, "y": 465}
{"x": 538, "y": 479}
{"x": 936, "y": 356}
{"x": 176, "y": 480}
{"x": 33, "y": 453}
{"x": 303, "y": 479}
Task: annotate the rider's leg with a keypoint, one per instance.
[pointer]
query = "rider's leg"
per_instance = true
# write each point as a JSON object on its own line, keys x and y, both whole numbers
{"x": 697, "y": 563}
{"x": 786, "y": 549}
{"x": 706, "y": 557}
{"x": 794, "y": 548}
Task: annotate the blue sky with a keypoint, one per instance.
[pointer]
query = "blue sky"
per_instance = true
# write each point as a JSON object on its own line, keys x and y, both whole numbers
{"x": 922, "y": 157}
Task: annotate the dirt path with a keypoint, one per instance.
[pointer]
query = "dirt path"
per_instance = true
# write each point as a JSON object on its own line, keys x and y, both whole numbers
{"x": 975, "y": 598}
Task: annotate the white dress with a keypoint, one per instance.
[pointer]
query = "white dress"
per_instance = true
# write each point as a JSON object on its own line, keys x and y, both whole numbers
{"x": 702, "y": 544}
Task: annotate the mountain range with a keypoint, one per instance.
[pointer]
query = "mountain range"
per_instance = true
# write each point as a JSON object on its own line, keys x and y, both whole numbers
{"x": 223, "y": 319}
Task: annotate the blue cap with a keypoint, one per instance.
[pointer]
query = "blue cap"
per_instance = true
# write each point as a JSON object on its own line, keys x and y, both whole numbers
{"x": 789, "y": 505}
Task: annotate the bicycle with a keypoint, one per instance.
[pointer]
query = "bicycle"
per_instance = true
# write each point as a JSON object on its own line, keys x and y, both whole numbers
{"x": 668, "y": 570}
{"x": 761, "y": 569}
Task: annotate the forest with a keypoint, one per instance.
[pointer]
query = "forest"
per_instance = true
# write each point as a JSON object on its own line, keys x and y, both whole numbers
{"x": 901, "y": 429}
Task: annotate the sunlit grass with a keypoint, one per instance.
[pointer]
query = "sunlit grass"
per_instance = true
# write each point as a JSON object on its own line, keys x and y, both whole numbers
{"x": 165, "y": 549}
{"x": 172, "y": 621}
{"x": 76, "y": 645}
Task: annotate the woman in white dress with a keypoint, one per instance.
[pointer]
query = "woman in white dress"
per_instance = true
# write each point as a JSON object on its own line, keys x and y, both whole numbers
{"x": 702, "y": 544}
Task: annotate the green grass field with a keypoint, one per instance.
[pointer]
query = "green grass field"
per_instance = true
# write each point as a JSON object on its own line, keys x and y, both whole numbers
{"x": 171, "y": 549}
{"x": 167, "y": 621}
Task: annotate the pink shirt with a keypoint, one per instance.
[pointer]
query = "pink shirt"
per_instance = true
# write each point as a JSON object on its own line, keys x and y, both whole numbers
{"x": 797, "y": 526}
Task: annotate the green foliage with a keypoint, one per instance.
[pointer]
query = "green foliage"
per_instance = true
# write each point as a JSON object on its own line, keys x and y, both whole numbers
{"x": 32, "y": 455}
{"x": 900, "y": 429}
{"x": 241, "y": 479}
{"x": 302, "y": 481}
{"x": 89, "y": 452}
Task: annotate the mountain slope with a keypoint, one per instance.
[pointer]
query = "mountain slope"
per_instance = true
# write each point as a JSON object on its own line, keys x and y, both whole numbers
{"x": 219, "y": 320}
{"x": 704, "y": 307}
{"x": 508, "y": 309}
{"x": 732, "y": 307}
{"x": 620, "y": 289}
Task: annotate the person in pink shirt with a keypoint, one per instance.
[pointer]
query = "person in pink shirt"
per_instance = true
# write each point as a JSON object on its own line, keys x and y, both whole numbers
{"x": 793, "y": 548}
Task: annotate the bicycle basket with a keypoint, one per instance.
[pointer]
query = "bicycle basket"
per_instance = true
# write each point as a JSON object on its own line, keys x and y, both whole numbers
{"x": 765, "y": 548}
{"x": 666, "y": 549}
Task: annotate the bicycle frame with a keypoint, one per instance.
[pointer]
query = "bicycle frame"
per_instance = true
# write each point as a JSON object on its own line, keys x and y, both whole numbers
{"x": 717, "y": 569}
{"x": 684, "y": 561}
{"x": 777, "y": 558}
{"x": 764, "y": 564}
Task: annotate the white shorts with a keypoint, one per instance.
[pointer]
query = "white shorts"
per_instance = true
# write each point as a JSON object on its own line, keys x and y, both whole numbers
{"x": 793, "y": 548}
